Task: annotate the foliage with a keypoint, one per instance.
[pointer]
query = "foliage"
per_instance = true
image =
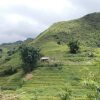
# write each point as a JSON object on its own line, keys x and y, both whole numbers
{"x": 65, "y": 95}
{"x": 10, "y": 52}
{"x": 7, "y": 58}
{"x": 8, "y": 88}
{"x": 85, "y": 29}
{"x": 30, "y": 57}
{"x": 74, "y": 46}
{"x": 1, "y": 50}
{"x": 90, "y": 96}
{"x": 94, "y": 96}
{"x": 8, "y": 71}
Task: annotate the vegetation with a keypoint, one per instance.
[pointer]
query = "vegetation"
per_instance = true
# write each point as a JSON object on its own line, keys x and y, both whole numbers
{"x": 74, "y": 47}
{"x": 8, "y": 71}
{"x": 80, "y": 71}
{"x": 66, "y": 94}
{"x": 10, "y": 52}
{"x": 85, "y": 29}
{"x": 30, "y": 57}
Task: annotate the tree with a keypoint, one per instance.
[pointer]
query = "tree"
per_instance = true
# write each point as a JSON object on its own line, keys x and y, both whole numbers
{"x": 74, "y": 46}
{"x": 1, "y": 50}
{"x": 30, "y": 57}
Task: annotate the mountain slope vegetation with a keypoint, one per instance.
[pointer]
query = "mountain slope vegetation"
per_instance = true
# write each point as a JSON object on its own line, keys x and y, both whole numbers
{"x": 85, "y": 29}
{"x": 70, "y": 76}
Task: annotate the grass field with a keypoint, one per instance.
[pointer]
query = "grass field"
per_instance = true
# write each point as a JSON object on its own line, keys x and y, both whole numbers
{"x": 78, "y": 73}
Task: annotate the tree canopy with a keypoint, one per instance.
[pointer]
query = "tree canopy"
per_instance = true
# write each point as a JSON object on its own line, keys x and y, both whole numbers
{"x": 30, "y": 57}
{"x": 74, "y": 46}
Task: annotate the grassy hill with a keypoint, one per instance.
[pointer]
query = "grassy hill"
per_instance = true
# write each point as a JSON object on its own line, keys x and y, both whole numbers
{"x": 76, "y": 73}
{"x": 85, "y": 29}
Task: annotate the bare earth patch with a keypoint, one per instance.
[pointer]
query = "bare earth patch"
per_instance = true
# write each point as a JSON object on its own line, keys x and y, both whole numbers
{"x": 28, "y": 77}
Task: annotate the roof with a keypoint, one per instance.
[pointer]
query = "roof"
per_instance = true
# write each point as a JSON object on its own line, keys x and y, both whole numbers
{"x": 43, "y": 58}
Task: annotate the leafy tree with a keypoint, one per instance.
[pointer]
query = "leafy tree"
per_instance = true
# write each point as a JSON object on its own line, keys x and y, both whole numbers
{"x": 30, "y": 57}
{"x": 1, "y": 50}
{"x": 74, "y": 46}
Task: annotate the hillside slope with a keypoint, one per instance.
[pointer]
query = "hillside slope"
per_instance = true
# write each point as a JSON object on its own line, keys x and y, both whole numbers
{"x": 85, "y": 29}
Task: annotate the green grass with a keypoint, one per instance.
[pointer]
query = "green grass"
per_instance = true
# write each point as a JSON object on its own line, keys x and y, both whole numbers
{"x": 47, "y": 82}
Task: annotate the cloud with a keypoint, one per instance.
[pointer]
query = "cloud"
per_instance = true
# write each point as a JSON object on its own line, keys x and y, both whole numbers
{"x": 20, "y": 19}
{"x": 4, "y": 38}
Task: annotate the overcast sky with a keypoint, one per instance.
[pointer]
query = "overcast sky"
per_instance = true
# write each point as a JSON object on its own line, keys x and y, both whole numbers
{"x": 20, "y": 19}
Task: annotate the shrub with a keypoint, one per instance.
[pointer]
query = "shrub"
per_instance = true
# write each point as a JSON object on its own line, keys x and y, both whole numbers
{"x": 65, "y": 94}
{"x": 90, "y": 54}
{"x": 90, "y": 96}
{"x": 7, "y": 58}
{"x": 8, "y": 88}
{"x": 59, "y": 42}
{"x": 74, "y": 47}
{"x": 57, "y": 65}
{"x": 10, "y": 52}
{"x": 89, "y": 85}
{"x": 0, "y": 56}
{"x": 1, "y": 50}
{"x": 10, "y": 71}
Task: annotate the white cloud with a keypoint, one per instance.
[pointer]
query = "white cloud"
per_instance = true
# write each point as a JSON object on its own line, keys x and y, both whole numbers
{"x": 27, "y": 18}
{"x": 4, "y": 38}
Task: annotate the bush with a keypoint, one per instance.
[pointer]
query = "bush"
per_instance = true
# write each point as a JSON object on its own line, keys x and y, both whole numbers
{"x": 7, "y": 58}
{"x": 90, "y": 96}
{"x": 65, "y": 94}
{"x": 8, "y": 88}
{"x": 89, "y": 85}
{"x": 59, "y": 42}
{"x": 90, "y": 54}
{"x": 74, "y": 47}
{"x": 0, "y": 56}
{"x": 1, "y": 50}
{"x": 10, "y": 52}
{"x": 57, "y": 65}
{"x": 8, "y": 71}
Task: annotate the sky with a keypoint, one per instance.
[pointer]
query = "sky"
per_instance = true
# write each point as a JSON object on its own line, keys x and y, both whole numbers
{"x": 21, "y": 19}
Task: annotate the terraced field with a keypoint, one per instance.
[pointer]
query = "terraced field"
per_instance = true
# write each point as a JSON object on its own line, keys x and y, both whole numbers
{"x": 79, "y": 74}
{"x": 47, "y": 83}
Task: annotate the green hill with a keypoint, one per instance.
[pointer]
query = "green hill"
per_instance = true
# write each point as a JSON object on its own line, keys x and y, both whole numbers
{"x": 75, "y": 74}
{"x": 85, "y": 29}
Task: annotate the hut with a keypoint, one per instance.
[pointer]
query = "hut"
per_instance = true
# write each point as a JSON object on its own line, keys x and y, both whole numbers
{"x": 45, "y": 59}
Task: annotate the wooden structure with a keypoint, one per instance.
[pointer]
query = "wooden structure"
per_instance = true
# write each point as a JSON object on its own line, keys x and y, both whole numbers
{"x": 45, "y": 59}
